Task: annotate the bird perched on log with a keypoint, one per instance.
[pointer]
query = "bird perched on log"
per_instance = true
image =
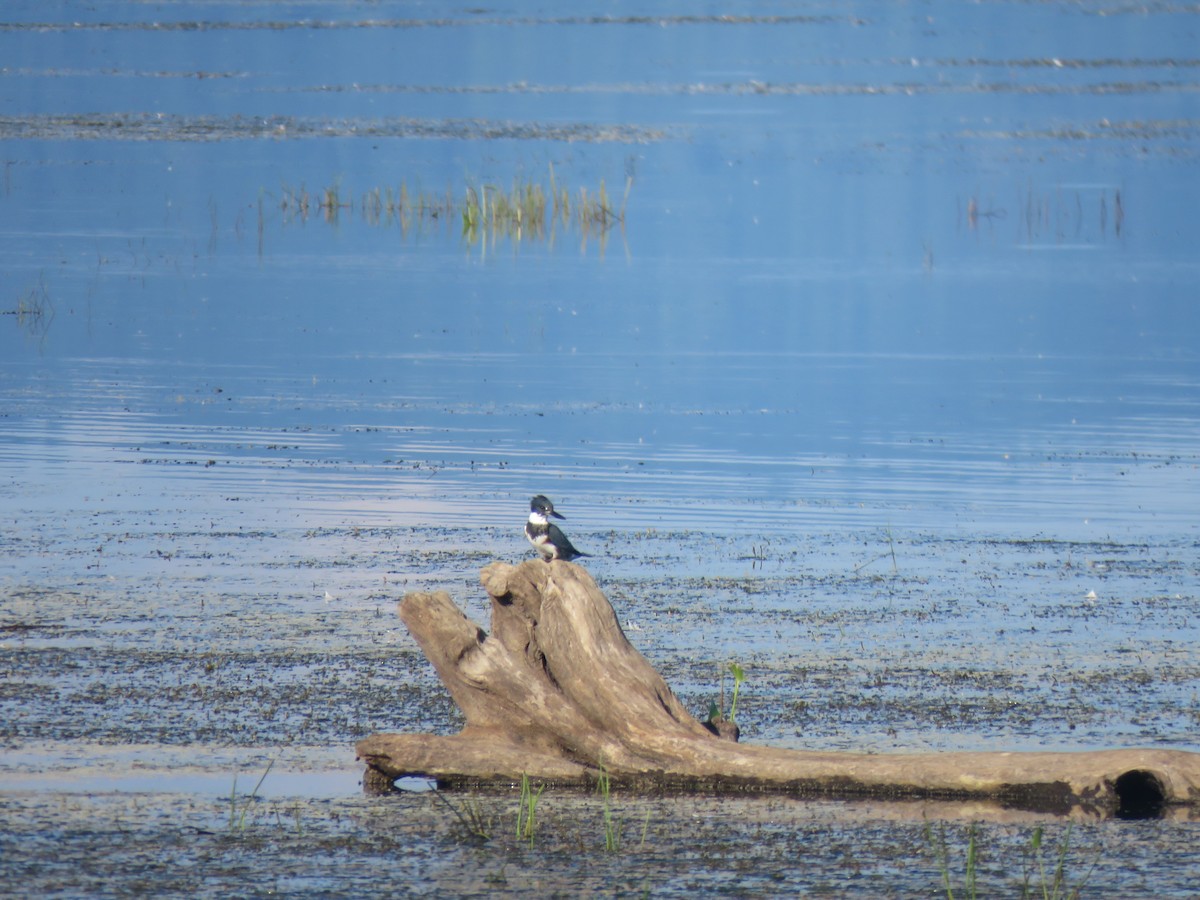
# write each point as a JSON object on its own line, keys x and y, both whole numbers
{"x": 546, "y": 537}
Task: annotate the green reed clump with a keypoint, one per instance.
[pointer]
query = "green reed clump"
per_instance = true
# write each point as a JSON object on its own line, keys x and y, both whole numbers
{"x": 296, "y": 203}
{"x": 526, "y": 210}
{"x": 941, "y": 851}
{"x": 1055, "y": 887}
{"x": 612, "y": 828}
{"x": 531, "y": 210}
{"x": 1052, "y": 885}
{"x": 518, "y": 213}
{"x": 237, "y": 822}
{"x": 471, "y": 816}
{"x": 527, "y": 810}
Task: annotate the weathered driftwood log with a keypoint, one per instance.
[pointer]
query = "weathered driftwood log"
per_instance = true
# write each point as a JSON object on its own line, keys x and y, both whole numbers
{"x": 557, "y": 692}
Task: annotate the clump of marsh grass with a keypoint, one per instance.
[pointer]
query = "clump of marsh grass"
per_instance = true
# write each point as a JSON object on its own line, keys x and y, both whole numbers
{"x": 298, "y": 204}
{"x": 405, "y": 208}
{"x": 471, "y": 816}
{"x": 891, "y": 551}
{"x": 1055, "y": 887}
{"x": 757, "y": 556}
{"x": 1051, "y": 885}
{"x": 34, "y": 310}
{"x": 527, "y": 210}
{"x": 612, "y": 827}
{"x": 527, "y": 810}
{"x": 517, "y": 213}
{"x": 484, "y": 824}
{"x": 941, "y": 851}
{"x": 532, "y": 211}
{"x": 237, "y": 821}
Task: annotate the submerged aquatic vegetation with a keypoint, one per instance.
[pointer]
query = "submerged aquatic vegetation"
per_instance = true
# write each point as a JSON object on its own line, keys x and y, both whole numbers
{"x": 528, "y": 210}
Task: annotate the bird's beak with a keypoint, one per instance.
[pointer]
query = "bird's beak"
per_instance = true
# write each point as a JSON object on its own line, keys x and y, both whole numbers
{"x": 558, "y": 515}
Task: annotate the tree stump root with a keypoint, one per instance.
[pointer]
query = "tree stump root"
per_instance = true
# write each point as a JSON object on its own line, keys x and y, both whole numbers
{"x": 556, "y": 692}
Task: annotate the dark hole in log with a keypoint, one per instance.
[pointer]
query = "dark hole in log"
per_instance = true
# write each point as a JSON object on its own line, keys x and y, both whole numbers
{"x": 1140, "y": 795}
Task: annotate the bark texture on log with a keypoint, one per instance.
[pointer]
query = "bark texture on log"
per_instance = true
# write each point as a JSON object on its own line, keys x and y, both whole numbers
{"x": 557, "y": 692}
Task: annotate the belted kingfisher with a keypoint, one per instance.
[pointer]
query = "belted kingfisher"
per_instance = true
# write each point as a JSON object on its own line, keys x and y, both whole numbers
{"x": 546, "y": 538}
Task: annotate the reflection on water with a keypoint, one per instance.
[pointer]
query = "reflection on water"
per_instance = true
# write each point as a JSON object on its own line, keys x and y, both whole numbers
{"x": 889, "y": 278}
{"x": 1075, "y": 448}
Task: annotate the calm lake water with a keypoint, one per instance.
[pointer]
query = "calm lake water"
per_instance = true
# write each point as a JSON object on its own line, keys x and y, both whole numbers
{"x": 883, "y": 378}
